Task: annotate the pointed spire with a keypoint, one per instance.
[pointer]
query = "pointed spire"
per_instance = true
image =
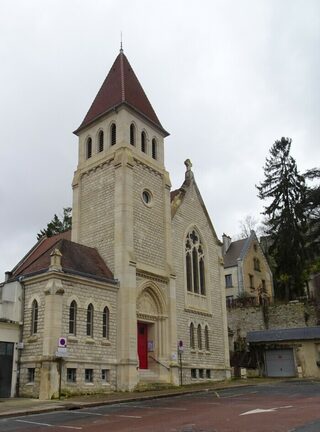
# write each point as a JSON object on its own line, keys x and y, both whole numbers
{"x": 121, "y": 86}
{"x": 121, "y": 48}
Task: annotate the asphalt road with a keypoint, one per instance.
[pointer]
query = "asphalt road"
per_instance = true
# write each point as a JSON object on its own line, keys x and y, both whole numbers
{"x": 289, "y": 407}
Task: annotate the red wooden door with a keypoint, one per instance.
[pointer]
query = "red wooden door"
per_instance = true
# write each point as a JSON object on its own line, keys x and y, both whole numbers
{"x": 143, "y": 345}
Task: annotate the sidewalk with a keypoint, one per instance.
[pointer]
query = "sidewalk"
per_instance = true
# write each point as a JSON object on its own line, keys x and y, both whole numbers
{"x": 23, "y": 406}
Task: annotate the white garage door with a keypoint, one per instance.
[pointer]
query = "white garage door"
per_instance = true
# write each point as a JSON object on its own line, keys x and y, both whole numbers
{"x": 280, "y": 363}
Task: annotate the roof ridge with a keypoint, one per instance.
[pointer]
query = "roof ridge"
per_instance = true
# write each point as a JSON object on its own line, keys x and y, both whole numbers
{"x": 123, "y": 92}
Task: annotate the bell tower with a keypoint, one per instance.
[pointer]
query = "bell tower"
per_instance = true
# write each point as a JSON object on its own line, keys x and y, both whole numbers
{"x": 121, "y": 206}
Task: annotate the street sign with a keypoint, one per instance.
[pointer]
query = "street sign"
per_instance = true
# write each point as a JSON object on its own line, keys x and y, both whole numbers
{"x": 62, "y": 342}
{"x": 61, "y": 354}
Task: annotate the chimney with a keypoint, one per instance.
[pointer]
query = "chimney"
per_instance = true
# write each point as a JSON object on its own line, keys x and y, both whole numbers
{"x": 226, "y": 240}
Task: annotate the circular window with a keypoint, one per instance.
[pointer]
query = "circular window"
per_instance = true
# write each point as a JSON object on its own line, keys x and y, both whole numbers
{"x": 147, "y": 197}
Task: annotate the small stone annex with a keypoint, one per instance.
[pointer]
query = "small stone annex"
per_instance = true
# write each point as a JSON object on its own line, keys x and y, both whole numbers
{"x": 106, "y": 305}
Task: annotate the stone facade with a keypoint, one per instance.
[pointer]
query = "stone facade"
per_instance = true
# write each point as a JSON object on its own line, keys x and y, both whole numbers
{"x": 122, "y": 208}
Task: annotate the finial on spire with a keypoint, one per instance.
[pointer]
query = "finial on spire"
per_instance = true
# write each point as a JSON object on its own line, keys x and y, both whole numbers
{"x": 121, "y": 48}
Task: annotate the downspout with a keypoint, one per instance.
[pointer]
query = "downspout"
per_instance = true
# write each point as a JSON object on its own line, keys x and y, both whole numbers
{"x": 20, "y": 336}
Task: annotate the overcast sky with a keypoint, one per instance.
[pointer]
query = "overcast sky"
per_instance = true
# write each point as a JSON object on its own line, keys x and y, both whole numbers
{"x": 226, "y": 79}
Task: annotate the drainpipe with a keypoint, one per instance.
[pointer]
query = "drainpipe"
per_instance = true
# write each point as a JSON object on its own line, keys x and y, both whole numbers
{"x": 20, "y": 336}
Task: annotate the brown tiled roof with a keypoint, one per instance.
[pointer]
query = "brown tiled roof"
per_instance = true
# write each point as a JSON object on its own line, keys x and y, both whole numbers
{"x": 39, "y": 249}
{"x": 233, "y": 253}
{"x": 76, "y": 258}
{"x": 121, "y": 86}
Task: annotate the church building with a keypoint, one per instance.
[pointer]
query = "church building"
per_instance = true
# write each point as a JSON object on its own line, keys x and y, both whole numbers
{"x": 139, "y": 280}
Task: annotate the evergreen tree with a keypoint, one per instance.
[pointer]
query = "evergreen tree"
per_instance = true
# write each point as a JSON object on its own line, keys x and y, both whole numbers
{"x": 285, "y": 218}
{"x": 57, "y": 225}
{"x": 313, "y": 214}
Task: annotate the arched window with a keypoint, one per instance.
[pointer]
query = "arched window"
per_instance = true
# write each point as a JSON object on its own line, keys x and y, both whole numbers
{"x": 101, "y": 141}
{"x": 206, "y": 338}
{"x": 105, "y": 323}
{"x": 34, "y": 317}
{"x": 195, "y": 264}
{"x": 89, "y": 148}
{"x": 132, "y": 134}
{"x": 192, "y": 344}
{"x": 154, "y": 148}
{"x": 143, "y": 142}
{"x": 73, "y": 317}
{"x": 113, "y": 134}
{"x": 90, "y": 320}
{"x": 199, "y": 337}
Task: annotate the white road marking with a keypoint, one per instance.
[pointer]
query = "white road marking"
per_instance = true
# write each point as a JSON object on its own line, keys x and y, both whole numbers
{"x": 30, "y": 422}
{"x": 262, "y": 410}
{"x": 49, "y": 425}
{"x": 128, "y": 416}
{"x": 105, "y": 415}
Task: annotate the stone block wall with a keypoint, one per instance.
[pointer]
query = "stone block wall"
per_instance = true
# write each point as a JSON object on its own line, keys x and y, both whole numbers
{"x": 208, "y": 311}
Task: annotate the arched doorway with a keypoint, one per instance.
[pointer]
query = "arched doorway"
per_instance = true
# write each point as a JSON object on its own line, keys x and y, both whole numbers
{"x": 151, "y": 327}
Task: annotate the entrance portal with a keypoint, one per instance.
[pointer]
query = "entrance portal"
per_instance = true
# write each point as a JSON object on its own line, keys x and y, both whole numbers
{"x": 6, "y": 358}
{"x": 143, "y": 345}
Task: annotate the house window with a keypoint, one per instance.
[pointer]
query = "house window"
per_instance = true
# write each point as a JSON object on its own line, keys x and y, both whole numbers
{"x": 89, "y": 148}
{"x": 228, "y": 279}
{"x": 251, "y": 281}
{"x": 143, "y": 142}
{"x": 201, "y": 373}
{"x": 192, "y": 344}
{"x": 90, "y": 320}
{"x": 73, "y": 317}
{"x": 88, "y": 375}
{"x": 132, "y": 134}
{"x": 101, "y": 141}
{"x": 34, "y": 317}
{"x": 71, "y": 375}
{"x": 154, "y": 148}
{"x": 206, "y": 338}
{"x": 256, "y": 264}
{"x": 105, "y": 323}
{"x": 105, "y": 375}
{"x": 31, "y": 375}
{"x": 195, "y": 264}
{"x": 113, "y": 134}
{"x": 208, "y": 373}
{"x": 193, "y": 373}
{"x": 199, "y": 336}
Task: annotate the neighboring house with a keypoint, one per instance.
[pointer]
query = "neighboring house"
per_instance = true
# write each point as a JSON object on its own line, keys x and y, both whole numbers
{"x": 141, "y": 272}
{"x": 246, "y": 270}
{"x": 10, "y": 327}
{"x": 287, "y": 352}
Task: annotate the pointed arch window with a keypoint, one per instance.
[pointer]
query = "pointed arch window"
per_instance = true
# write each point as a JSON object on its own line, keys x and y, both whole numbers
{"x": 143, "y": 142}
{"x": 192, "y": 343}
{"x": 73, "y": 317}
{"x": 105, "y": 323}
{"x": 195, "y": 264}
{"x": 199, "y": 337}
{"x": 132, "y": 134}
{"x": 34, "y": 317}
{"x": 89, "y": 148}
{"x": 154, "y": 148}
{"x": 206, "y": 338}
{"x": 101, "y": 141}
{"x": 113, "y": 134}
{"x": 90, "y": 320}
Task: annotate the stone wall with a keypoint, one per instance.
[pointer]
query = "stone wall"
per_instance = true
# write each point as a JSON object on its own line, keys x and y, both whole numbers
{"x": 289, "y": 315}
{"x": 203, "y": 310}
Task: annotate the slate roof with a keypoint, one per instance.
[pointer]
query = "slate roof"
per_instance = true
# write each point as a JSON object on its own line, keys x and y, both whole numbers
{"x": 121, "y": 86}
{"x": 234, "y": 252}
{"x": 76, "y": 259}
{"x": 279, "y": 335}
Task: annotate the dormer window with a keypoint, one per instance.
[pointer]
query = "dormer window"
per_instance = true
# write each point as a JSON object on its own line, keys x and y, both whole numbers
{"x": 89, "y": 148}
{"x": 113, "y": 134}
{"x": 154, "y": 148}
{"x": 132, "y": 134}
{"x": 100, "y": 141}
{"x": 143, "y": 142}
